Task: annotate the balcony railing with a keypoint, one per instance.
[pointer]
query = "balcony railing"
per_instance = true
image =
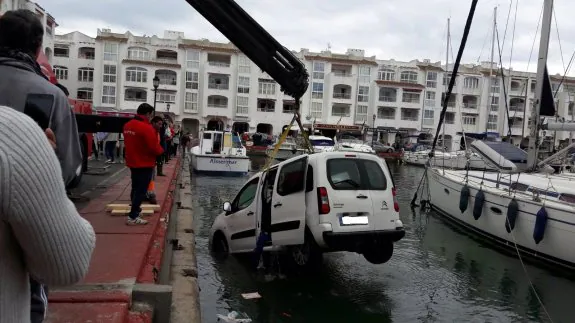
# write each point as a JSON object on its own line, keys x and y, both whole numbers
{"x": 342, "y": 74}
{"x": 218, "y": 64}
{"x": 386, "y": 116}
{"x": 470, "y": 105}
{"x": 429, "y": 103}
{"x": 346, "y": 96}
{"x": 518, "y": 108}
{"x": 383, "y": 98}
{"x": 218, "y": 86}
{"x": 361, "y": 118}
{"x": 410, "y": 100}
{"x": 217, "y": 105}
{"x": 242, "y": 110}
{"x": 409, "y": 118}
{"x": 340, "y": 114}
{"x": 135, "y": 99}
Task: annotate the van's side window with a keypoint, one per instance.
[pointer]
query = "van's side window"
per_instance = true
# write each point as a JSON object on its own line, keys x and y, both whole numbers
{"x": 309, "y": 179}
{"x": 246, "y": 196}
{"x": 355, "y": 174}
{"x": 291, "y": 177}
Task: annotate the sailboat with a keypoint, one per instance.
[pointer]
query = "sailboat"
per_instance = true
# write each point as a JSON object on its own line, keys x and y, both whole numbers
{"x": 523, "y": 205}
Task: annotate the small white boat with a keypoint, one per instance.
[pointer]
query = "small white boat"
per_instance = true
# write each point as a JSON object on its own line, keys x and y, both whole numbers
{"x": 451, "y": 160}
{"x": 287, "y": 150}
{"x": 220, "y": 153}
{"x": 354, "y": 145}
{"x": 321, "y": 143}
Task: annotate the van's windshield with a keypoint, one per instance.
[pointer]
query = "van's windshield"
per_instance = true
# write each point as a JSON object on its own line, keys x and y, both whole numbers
{"x": 322, "y": 142}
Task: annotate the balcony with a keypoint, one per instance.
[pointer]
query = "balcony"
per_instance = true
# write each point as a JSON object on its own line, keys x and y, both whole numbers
{"x": 218, "y": 82}
{"x": 411, "y": 98}
{"x": 516, "y": 105}
{"x": 410, "y": 118}
{"x": 470, "y": 102}
{"x": 166, "y": 55}
{"x": 387, "y": 113}
{"x": 219, "y": 63}
{"x": 217, "y": 101}
{"x": 387, "y": 94}
{"x": 168, "y": 79}
{"x": 341, "y": 92}
{"x": 88, "y": 53}
{"x": 136, "y": 95}
{"x": 266, "y": 105}
{"x": 452, "y": 100}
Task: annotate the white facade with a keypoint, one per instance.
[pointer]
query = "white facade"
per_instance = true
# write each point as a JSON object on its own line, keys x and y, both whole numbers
{"x": 206, "y": 84}
{"x": 47, "y": 20}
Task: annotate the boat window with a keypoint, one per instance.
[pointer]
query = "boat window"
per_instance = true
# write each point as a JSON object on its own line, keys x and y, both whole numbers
{"x": 355, "y": 174}
{"x": 207, "y": 136}
{"x": 246, "y": 196}
{"x": 322, "y": 142}
{"x": 569, "y": 198}
{"x": 309, "y": 179}
{"x": 291, "y": 177}
{"x": 518, "y": 186}
{"x": 217, "y": 146}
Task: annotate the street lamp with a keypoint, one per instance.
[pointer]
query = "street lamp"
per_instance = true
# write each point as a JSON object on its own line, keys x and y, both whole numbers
{"x": 156, "y": 83}
{"x": 373, "y": 129}
{"x": 168, "y": 107}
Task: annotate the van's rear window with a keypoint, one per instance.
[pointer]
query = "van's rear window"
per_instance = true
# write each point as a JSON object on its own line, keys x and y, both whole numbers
{"x": 355, "y": 174}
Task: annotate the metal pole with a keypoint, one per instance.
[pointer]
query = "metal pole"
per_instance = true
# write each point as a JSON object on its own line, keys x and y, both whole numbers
{"x": 155, "y": 99}
{"x": 525, "y": 99}
{"x": 447, "y": 73}
{"x": 541, "y": 65}
{"x": 490, "y": 81}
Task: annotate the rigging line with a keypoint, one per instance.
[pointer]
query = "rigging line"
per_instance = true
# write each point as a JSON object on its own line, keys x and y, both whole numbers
{"x": 513, "y": 33}
{"x": 454, "y": 73}
{"x": 559, "y": 39}
{"x": 532, "y": 48}
{"x": 506, "y": 24}
{"x": 504, "y": 88}
{"x": 484, "y": 43}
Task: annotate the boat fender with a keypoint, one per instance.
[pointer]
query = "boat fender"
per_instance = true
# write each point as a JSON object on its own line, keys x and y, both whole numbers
{"x": 464, "y": 198}
{"x": 512, "y": 211}
{"x": 478, "y": 205}
{"x": 540, "y": 224}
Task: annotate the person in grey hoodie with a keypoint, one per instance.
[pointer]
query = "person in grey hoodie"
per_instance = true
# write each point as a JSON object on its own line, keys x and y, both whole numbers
{"x": 21, "y": 36}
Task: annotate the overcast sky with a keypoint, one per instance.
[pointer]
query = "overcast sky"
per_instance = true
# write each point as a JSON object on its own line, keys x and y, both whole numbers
{"x": 398, "y": 29}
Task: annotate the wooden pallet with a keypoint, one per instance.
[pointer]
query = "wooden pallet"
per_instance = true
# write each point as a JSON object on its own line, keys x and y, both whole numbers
{"x": 124, "y": 209}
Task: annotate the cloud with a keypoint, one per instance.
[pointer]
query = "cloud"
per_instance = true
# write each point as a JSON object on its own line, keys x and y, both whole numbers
{"x": 398, "y": 29}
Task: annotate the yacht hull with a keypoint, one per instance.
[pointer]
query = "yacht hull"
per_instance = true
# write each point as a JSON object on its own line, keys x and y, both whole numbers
{"x": 220, "y": 165}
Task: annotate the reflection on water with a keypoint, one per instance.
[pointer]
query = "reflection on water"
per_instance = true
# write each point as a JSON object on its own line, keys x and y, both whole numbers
{"x": 437, "y": 274}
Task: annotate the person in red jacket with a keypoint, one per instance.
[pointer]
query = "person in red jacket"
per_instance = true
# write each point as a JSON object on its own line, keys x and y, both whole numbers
{"x": 142, "y": 149}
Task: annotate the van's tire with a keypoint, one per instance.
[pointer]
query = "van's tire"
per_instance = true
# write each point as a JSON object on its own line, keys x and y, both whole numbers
{"x": 308, "y": 255}
{"x": 220, "y": 247}
{"x": 378, "y": 252}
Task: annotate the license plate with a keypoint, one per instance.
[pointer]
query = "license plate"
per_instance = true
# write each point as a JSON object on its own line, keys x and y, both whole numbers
{"x": 354, "y": 220}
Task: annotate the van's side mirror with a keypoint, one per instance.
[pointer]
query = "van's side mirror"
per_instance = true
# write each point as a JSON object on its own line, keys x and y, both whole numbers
{"x": 227, "y": 207}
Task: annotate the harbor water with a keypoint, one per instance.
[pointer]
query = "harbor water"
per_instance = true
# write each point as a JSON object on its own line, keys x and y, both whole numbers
{"x": 438, "y": 273}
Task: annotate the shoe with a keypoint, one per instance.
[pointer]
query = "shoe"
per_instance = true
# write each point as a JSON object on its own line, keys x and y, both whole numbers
{"x": 109, "y": 161}
{"x": 136, "y": 221}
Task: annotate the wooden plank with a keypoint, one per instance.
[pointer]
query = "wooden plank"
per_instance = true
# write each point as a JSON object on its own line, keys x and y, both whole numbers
{"x": 155, "y": 207}
{"x": 126, "y": 211}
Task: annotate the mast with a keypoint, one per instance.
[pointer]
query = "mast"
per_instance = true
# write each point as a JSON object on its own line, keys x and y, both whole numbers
{"x": 447, "y": 73}
{"x": 489, "y": 82}
{"x": 532, "y": 150}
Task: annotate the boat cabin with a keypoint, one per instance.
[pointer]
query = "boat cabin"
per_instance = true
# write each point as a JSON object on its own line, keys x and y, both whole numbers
{"x": 218, "y": 142}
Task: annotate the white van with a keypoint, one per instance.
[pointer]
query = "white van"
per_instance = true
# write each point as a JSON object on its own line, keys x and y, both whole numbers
{"x": 310, "y": 204}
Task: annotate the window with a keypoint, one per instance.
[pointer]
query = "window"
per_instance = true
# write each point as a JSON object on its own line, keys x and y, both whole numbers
{"x": 266, "y": 105}
{"x": 134, "y": 94}
{"x": 410, "y": 96}
{"x": 340, "y": 111}
{"x": 109, "y": 73}
{"x": 192, "y": 80}
{"x": 361, "y": 113}
{"x": 429, "y": 99}
{"x": 136, "y": 74}
{"x": 431, "y": 80}
{"x": 267, "y": 87}
{"x": 243, "y": 84}
{"x": 318, "y": 70}
{"x": 471, "y": 83}
{"x": 242, "y": 104}
{"x": 85, "y": 93}
{"x": 138, "y": 53}
{"x": 364, "y": 74}
{"x": 409, "y": 77}
{"x": 61, "y": 51}
{"x": 446, "y": 79}
{"x": 494, "y": 106}
{"x": 449, "y": 117}
{"x": 86, "y": 74}
{"x": 166, "y": 96}
{"x": 108, "y": 94}
{"x": 246, "y": 196}
{"x": 244, "y": 64}
{"x": 469, "y": 119}
{"x": 192, "y": 58}
{"x": 492, "y": 122}
{"x": 110, "y": 52}
{"x": 428, "y": 114}
{"x": 291, "y": 177}
{"x": 317, "y": 90}
{"x": 386, "y": 74}
{"x": 353, "y": 174}
{"x": 495, "y": 85}
{"x": 191, "y": 103}
{"x": 316, "y": 110}
{"x": 61, "y": 72}
{"x": 363, "y": 94}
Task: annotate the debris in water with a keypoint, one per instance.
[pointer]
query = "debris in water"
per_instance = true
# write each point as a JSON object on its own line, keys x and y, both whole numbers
{"x": 234, "y": 317}
{"x": 251, "y": 295}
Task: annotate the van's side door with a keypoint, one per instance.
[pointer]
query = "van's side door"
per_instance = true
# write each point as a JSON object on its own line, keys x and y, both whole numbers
{"x": 288, "y": 203}
{"x": 242, "y": 220}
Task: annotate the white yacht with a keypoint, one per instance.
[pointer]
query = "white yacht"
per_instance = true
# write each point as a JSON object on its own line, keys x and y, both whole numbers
{"x": 287, "y": 150}
{"x": 219, "y": 153}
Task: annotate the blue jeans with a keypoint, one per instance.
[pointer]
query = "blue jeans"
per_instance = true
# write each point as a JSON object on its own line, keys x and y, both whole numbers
{"x": 141, "y": 178}
{"x": 110, "y": 150}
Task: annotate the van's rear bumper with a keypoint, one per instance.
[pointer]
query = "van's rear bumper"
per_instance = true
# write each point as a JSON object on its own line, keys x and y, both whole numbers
{"x": 355, "y": 241}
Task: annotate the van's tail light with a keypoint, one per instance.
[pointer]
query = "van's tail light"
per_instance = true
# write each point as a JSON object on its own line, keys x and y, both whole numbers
{"x": 395, "y": 202}
{"x": 322, "y": 200}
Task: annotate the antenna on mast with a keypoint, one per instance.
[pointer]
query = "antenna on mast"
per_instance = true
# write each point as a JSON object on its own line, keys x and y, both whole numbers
{"x": 329, "y": 47}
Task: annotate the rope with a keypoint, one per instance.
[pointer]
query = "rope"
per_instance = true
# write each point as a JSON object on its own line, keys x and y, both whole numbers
{"x": 454, "y": 74}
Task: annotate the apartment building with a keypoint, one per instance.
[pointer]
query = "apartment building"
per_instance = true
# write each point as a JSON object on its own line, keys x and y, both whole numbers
{"x": 206, "y": 84}
{"x": 47, "y": 20}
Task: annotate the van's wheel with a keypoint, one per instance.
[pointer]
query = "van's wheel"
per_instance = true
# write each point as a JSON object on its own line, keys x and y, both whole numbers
{"x": 378, "y": 252}
{"x": 220, "y": 246}
{"x": 308, "y": 255}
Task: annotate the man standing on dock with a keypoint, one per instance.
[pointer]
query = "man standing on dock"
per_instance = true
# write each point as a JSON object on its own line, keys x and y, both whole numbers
{"x": 142, "y": 149}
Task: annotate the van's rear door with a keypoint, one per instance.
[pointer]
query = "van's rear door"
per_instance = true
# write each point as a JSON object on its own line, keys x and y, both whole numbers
{"x": 380, "y": 186}
{"x": 351, "y": 208}
{"x": 288, "y": 203}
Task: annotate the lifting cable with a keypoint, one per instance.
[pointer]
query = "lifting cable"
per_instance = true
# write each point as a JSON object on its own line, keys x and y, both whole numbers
{"x": 296, "y": 118}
